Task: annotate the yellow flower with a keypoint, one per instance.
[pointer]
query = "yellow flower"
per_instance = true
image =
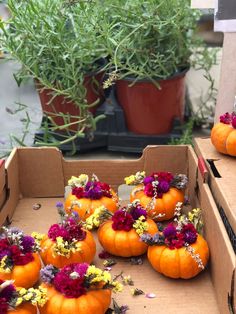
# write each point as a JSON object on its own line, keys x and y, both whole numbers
{"x": 130, "y": 180}
{"x": 78, "y": 181}
{"x": 3, "y": 265}
{"x": 140, "y": 225}
{"x": 117, "y": 287}
{"x": 19, "y": 301}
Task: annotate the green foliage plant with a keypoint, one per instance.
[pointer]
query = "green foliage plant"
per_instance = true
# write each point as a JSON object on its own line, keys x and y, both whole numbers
{"x": 153, "y": 39}
{"x": 57, "y": 42}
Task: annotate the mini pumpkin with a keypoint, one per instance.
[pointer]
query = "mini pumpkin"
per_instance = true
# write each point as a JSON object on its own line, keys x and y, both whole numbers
{"x": 123, "y": 243}
{"x": 24, "y": 275}
{"x": 86, "y": 196}
{"x": 223, "y": 134}
{"x": 25, "y": 308}
{"x": 179, "y": 251}
{"x": 96, "y": 301}
{"x": 67, "y": 242}
{"x": 159, "y": 209}
{"x": 86, "y": 252}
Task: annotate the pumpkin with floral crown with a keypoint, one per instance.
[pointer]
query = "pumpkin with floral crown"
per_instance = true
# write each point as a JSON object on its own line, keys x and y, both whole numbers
{"x": 158, "y": 193}
{"x": 87, "y": 195}
{"x": 223, "y": 134}
{"x": 77, "y": 288}
{"x": 20, "y": 300}
{"x": 19, "y": 260}
{"x": 67, "y": 242}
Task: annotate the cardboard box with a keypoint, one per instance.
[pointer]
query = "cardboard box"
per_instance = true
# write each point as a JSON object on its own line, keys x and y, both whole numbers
{"x": 38, "y": 175}
{"x": 222, "y": 182}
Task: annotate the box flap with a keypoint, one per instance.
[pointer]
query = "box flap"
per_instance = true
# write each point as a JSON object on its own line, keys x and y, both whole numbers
{"x": 221, "y": 250}
{"x": 222, "y": 179}
{"x": 2, "y": 175}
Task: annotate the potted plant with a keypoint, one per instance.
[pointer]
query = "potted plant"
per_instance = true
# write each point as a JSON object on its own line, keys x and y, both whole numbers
{"x": 152, "y": 42}
{"x": 58, "y": 44}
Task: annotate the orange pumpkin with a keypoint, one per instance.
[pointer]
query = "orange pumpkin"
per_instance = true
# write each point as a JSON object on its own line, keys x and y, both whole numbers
{"x": 86, "y": 254}
{"x": 178, "y": 263}
{"x": 165, "y": 205}
{"x": 24, "y": 276}
{"x": 123, "y": 243}
{"x": 85, "y": 206}
{"x": 223, "y": 137}
{"x": 96, "y": 301}
{"x": 24, "y": 308}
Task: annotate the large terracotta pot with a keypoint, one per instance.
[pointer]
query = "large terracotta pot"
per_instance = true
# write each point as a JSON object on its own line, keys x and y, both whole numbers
{"x": 93, "y": 84}
{"x": 149, "y": 110}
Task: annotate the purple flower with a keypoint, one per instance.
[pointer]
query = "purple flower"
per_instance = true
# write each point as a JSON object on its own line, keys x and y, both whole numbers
{"x": 163, "y": 186}
{"x": 190, "y": 233}
{"x": 59, "y": 205}
{"x": 27, "y": 243}
{"x": 234, "y": 121}
{"x": 170, "y": 231}
{"x": 225, "y": 118}
{"x": 5, "y": 252}
{"x": 148, "y": 180}
{"x": 81, "y": 269}
{"x": 48, "y": 273}
{"x": 138, "y": 212}
{"x": 7, "y": 292}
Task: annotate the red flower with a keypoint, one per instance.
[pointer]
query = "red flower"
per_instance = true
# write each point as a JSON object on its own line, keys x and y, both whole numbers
{"x": 78, "y": 192}
{"x": 71, "y": 288}
{"x": 176, "y": 242}
{"x": 4, "y": 244}
{"x": 3, "y": 306}
{"x": 164, "y": 176}
{"x": 148, "y": 190}
{"x": 122, "y": 221}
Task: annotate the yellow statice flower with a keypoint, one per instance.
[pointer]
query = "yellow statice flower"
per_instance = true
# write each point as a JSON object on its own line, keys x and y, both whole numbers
{"x": 38, "y": 237}
{"x": 130, "y": 180}
{"x": 140, "y": 225}
{"x": 34, "y": 296}
{"x": 64, "y": 248}
{"x": 94, "y": 220}
{"x": 117, "y": 286}
{"x": 135, "y": 179}
{"x": 78, "y": 181}
{"x": 3, "y": 265}
{"x": 19, "y": 301}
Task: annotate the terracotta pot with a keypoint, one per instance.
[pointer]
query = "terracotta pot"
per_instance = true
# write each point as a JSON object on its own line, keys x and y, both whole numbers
{"x": 93, "y": 84}
{"x": 149, "y": 110}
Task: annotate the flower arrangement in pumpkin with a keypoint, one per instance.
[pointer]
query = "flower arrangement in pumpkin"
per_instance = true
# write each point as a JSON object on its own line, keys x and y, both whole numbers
{"x": 79, "y": 288}
{"x": 66, "y": 242}
{"x": 19, "y": 260}
{"x": 158, "y": 193}
{"x": 20, "y": 300}
{"x": 119, "y": 233}
{"x": 179, "y": 251}
{"x": 86, "y": 195}
{"x": 223, "y": 134}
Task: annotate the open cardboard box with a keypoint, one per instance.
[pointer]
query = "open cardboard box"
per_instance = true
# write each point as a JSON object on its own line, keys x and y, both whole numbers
{"x": 221, "y": 180}
{"x": 39, "y": 175}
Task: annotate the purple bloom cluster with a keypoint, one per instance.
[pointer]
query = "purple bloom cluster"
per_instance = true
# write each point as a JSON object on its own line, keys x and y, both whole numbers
{"x": 69, "y": 230}
{"x": 93, "y": 190}
{"x": 157, "y": 184}
{"x": 175, "y": 238}
{"x": 48, "y": 273}
{"x": 228, "y": 118}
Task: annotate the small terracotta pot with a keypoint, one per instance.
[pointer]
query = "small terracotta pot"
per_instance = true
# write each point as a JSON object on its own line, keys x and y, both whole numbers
{"x": 93, "y": 85}
{"x": 149, "y": 110}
